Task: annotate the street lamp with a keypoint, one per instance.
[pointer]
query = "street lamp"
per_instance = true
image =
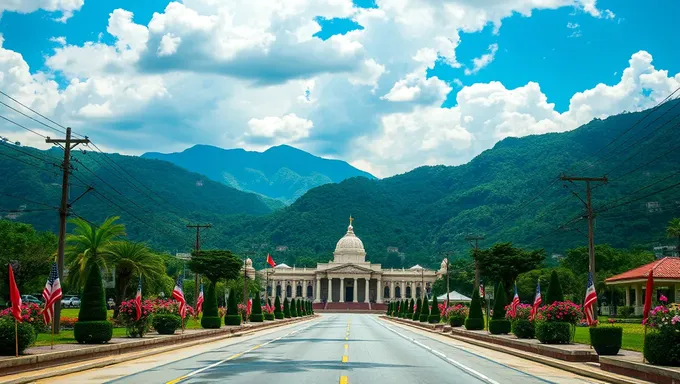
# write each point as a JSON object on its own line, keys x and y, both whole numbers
{"x": 446, "y": 260}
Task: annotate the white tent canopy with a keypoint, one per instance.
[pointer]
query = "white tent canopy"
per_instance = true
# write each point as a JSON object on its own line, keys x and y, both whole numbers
{"x": 454, "y": 297}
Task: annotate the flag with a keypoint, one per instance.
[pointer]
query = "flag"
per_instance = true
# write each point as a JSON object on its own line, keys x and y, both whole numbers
{"x": 250, "y": 306}
{"x": 648, "y": 296}
{"x": 51, "y": 293}
{"x": 515, "y": 303}
{"x": 14, "y": 296}
{"x": 481, "y": 291}
{"x": 589, "y": 302}
{"x": 138, "y": 299}
{"x": 270, "y": 261}
{"x": 178, "y": 295}
{"x": 537, "y": 301}
{"x": 199, "y": 301}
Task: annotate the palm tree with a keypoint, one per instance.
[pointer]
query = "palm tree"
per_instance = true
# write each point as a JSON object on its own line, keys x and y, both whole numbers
{"x": 89, "y": 245}
{"x": 130, "y": 261}
{"x": 673, "y": 230}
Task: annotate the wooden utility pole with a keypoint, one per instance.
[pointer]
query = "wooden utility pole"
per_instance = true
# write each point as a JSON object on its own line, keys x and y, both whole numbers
{"x": 197, "y": 247}
{"x": 447, "y": 254}
{"x": 589, "y": 213}
{"x": 476, "y": 239}
{"x": 67, "y": 144}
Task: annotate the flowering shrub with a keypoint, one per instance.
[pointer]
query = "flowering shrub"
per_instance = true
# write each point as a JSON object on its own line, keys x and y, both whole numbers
{"x": 456, "y": 315}
{"x": 128, "y": 315}
{"x": 523, "y": 312}
{"x": 665, "y": 319}
{"x": 268, "y": 308}
{"x": 68, "y": 322}
{"x": 31, "y": 313}
{"x": 169, "y": 307}
{"x": 560, "y": 311}
{"x": 244, "y": 311}
{"x": 221, "y": 311}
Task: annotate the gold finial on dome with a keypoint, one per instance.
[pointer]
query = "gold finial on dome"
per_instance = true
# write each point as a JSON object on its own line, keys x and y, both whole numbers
{"x": 350, "y": 220}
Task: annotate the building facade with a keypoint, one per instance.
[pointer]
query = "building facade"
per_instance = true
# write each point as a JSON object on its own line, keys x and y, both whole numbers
{"x": 349, "y": 278}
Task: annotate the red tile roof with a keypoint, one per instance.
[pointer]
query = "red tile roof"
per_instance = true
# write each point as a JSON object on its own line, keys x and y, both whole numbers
{"x": 665, "y": 268}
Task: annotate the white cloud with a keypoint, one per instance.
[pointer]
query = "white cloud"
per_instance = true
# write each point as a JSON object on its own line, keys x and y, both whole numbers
{"x": 169, "y": 44}
{"x": 286, "y": 129}
{"x": 482, "y": 61}
{"x": 59, "y": 40}
{"x": 571, "y": 25}
{"x": 66, "y": 7}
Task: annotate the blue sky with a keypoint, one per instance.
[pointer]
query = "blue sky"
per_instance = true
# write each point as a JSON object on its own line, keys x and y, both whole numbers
{"x": 565, "y": 51}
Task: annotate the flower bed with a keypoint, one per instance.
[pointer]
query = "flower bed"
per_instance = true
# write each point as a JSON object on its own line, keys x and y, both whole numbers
{"x": 662, "y": 346}
{"x": 554, "y": 322}
{"x": 128, "y": 317}
{"x": 456, "y": 315}
{"x": 521, "y": 325}
{"x": 31, "y": 313}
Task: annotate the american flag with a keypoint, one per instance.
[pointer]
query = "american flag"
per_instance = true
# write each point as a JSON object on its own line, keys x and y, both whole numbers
{"x": 537, "y": 301}
{"x": 515, "y": 303}
{"x": 589, "y": 302}
{"x": 178, "y": 295}
{"x": 481, "y": 291}
{"x": 51, "y": 293}
{"x": 138, "y": 299}
{"x": 199, "y": 301}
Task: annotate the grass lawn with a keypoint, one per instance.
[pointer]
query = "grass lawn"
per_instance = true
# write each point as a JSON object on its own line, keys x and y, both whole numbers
{"x": 633, "y": 335}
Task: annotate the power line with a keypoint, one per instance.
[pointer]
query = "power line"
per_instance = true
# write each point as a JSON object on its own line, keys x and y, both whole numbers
{"x": 27, "y": 200}
{"x": 32, "y": 110}
{"x": 36, "y": 120}
{"x": 21, "y": 126}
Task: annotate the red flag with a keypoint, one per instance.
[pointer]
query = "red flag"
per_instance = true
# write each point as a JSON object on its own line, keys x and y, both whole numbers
{"x": 648, "y": 296}
{"x": 270, "y": 261}
{"x": 14, "y": 296}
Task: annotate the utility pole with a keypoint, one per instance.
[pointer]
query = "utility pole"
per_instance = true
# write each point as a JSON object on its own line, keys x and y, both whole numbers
{"x": 475, "y": 238}
{"x": 197, "y": 247}
{"x": 68, "y": 144}
{"x": 447, "y": 254}
{"x": 589, "y": 213}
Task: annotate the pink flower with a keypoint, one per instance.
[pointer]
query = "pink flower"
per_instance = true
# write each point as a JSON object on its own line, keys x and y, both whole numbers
{"x": 663, "y": 299}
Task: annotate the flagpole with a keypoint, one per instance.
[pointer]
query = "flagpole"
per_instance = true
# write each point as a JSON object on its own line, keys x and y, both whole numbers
{"x": 52, "y": 341}
{"x": 16, "y": 336}
{"x": 644, "y": 341}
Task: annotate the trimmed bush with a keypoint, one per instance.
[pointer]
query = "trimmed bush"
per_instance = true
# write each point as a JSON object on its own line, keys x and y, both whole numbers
{"x": 301, "y": 308}
{"x": 232, "y": 317}
{"x": 662, "y": 349}
{"x": 92, "y": 326}
{"x": 434, "y": 313}
{"x": 278, "y": 313}
{"x": 523, "y": 329}
{"x": 606, "y": 340}
{"x": 456, "y": 321}
{"x": 425, "y": 312}
{"x": 269, "y": 316}
{"x": 475, "y": 319}
{"x": 554, "y": 290}
{"x": 286, "y": 308}
{"x": 398, "y": 309}
{"x": 256, "y": 315}
{"x": 409, "y": 309}
{"x": 499, "y": 325}
{"x": 553, "y": 332}
{"x": 293, "y": 308}
{"x": 166, "y": 324}
{"x": 626, "y": 311}
{"x": 25, "y": 332}
{"x": 416, "y": 314}
{"x": 211, "y": 318}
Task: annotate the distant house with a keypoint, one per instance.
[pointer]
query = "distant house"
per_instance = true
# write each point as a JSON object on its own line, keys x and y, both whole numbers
{"x": 199, "y": 183}
{"x": 183, "y": 256}
{"x": 281, "y": 248}
{"x": 653, "y": 206}
{"x": 392, "y": 250}
{"x": 665, "y": 250}
{"x": 557, "y": 256}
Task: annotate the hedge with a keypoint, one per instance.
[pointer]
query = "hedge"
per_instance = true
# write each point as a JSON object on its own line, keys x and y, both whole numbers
{"x": 425, "y": 313}
{"x": 606, "y": 340}
{"x": 286, "y": 308}
{"x": 554, "y": 290}
{"x": 662, "y": 349}
{"x": 553, "y": 332}
{"x": 434, "y": 313}
{"x": 475, "y": 319}
{"x": 92, "y": 326}
{"x": 278, "y": 313}
{"x": 256, "y": 315}
{"x": 416, "y": 313}
{"x": 26, "y": 335}
{"x": 232, "y": 317}
{"x": 166, "y": 324}
{"x": 523, "y": 329}
{"x": 211, "y": 318}
{"x": 499, "y": 325}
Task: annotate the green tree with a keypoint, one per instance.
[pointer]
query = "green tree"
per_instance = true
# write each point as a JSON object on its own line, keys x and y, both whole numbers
{"x": 503, "y": 262}
{"x": 232, "y": 317}
{"x": 475, "y": 319}
{"x": 409, "y": 310}
{"x": 526, "y": 282}
{"x": 416, "y": 314}
{"x": 92, "y": 325}
{"x": 211, "y": 317}
{"x": 256, "y": 315}
{"x": 130, "y": 261}
{"x": 498, "y": 324}
{"x": 89, "y": 245}
{"x": 673, "y": 231}
{"x": 293, "y": 308}
{"x": 278, "y": 313}
{"x": 286, "y": 309}
{"x": 216, "y": 265}
{"x": 425, "y": 312}
{"x": 554, "y": 290}
{"x": 461, "y": 277}
{"x": 434, "y": 312}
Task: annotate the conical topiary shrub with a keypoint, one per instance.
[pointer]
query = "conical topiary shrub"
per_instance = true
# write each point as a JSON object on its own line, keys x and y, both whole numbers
{"x": 389, "y": 309}
{"x": 211, "y": 318}
{"x": 554, "y": 290}
{"x": 232, "y": 317}
{"x": 499, "y": 325}
{"x": 434, "y": 313}
{"x": 311, "y": 308}
{"x": 409, "y": 313}
{"x": 475, "y": 319}
{"x": 397, "y": 305}
{"x": 92, "y": 326}
{"x": 256, "y": 315}
{"x": 425, "y": 311}
{"x": 301, "y": 308}
{"x": 269, "y": 316}
{"x": 402, "y": 308}
{"x": 278, "y": 312}
{"x": 293, "y": 308}
{"x": 286, "y": 308}
{"x": 418, "y": 308}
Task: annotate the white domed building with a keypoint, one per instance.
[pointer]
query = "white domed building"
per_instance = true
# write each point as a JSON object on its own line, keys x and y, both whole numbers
{"x": 349, "y": 278}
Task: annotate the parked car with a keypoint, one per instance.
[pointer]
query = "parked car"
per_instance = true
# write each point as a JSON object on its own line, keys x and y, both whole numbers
{"x": 111, "y": 304}
{"x": 70, "y": 302}
{"x": 30, "y": 299}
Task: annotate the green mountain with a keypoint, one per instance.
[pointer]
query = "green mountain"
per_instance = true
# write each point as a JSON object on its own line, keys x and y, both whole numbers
{"x": 154, "y": 198}
{"x": 282, "y": 172}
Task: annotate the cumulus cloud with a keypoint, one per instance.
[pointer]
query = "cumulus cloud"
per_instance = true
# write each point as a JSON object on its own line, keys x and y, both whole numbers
{"x": 287, "y": 129}
{"x": 58, "y": 39}
{"x": 482, "y": 61}
{"x": 66, "y": 7}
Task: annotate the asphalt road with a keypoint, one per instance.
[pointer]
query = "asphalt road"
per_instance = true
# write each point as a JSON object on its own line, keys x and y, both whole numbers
{"x": 336, "y": 348}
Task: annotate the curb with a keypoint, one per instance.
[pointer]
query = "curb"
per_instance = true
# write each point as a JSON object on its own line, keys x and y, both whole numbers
{"x": 532, "y": 357}
{"x": 137, "y": 355}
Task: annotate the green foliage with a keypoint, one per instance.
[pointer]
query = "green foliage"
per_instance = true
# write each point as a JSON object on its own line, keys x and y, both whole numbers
{"x": 499, "y": 326}
{"x": 25, "y": 335}
{"x": 216, "y": 264}
{"x": 409, "y": 309}
{"x": 499, "y": 303}
{"x": 278, "y": 313}
{"x": 232, "y": 317}
{"x": 461, "y": 278}
{"x": 475, "y": 319}
{"x": 434, "y": 316}
{"x": 92, "y": 302}
{"x": 553, "y": 332}
{"x": 166, "y": 324}
{"x": 211, "y": 318}
{"x": 416, "y": 313}
{"x": 211, "y": 322}
{"x": 93, "y": 332}
{"x": 425, "y": 312}
{"x": 554, "y": 290}
{"x": 403, "y": 308}
{"x": 269, "y": 316}
{"x": 286, "y": 309}
{"x": 293, "y": 308}
{"x": 523, "y": 328}
{"x": 526, "y": 282}
{"x": 606, "y": 340}
{"x": 503, "y": 262}
{"x": 456, "y": 321}
{"x": 661, "y": 349}
{"x": 256, "y": 314}
{"x": 625, "y": 311}
{"x": 673, "y": 230}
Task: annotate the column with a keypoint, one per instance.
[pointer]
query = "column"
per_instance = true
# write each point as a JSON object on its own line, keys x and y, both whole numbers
{"x": 379, "y": 292}
{"x": 366, "y": 294}
{"x": 342, "y": 289}
{"x": 638, "y": 299}
{"x": 627, "y": 295}
{"x": 354, "y": 296}
{"x": 403, "y": 289}
{"x": 391, "y": 290}
{"x": 317, "y": 293}
{"x": 284, "y": 293}
{"x": 293, "y": 291}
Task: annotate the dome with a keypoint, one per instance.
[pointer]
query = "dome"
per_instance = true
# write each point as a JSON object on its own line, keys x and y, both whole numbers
{"x": 249, "y": 263}
{"x": 282, "y": 266}
{"x": 349, "y": 242}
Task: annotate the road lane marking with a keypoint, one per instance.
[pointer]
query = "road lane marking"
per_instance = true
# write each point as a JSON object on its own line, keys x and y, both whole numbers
{"x": 465, "y": 368}
{"x": 343, "y": 380}
{"x": 232, "y": 357}
{"x": 345, "y": 358}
